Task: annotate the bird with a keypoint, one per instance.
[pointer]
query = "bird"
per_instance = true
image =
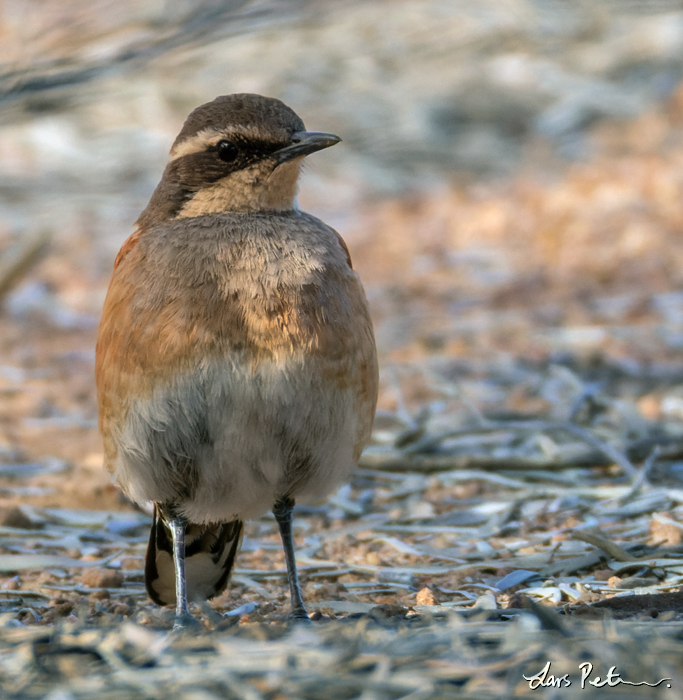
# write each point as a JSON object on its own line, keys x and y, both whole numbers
{"x": 236, "y": 365}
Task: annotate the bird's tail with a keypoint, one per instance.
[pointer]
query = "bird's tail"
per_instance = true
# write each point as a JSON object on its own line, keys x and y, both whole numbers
{"x": 210, "y": 552}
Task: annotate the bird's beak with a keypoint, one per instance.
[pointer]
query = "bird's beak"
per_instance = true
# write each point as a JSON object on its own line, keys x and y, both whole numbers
{"x": 303, "y": 143}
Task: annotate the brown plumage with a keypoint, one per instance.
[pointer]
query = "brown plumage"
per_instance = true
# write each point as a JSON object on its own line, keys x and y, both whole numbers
{"x": 236, "y": 366}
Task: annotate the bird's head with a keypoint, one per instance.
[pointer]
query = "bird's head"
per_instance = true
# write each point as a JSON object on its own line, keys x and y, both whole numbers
{"x": 238, "y": 153}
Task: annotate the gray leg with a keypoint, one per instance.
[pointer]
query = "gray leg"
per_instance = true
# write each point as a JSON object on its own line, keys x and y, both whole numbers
{"x": 283, "y": 514}
{"x": 182, "y": 612}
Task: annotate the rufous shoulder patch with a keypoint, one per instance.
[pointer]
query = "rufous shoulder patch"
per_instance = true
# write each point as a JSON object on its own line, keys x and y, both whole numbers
{"x": 130, "y": 243}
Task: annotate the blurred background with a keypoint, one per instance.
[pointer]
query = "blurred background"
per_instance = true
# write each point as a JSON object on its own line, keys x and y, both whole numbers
{"x": 510, "y": 183}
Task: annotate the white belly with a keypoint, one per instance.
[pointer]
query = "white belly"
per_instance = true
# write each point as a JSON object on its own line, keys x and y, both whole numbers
{"x": 229, "y": 440}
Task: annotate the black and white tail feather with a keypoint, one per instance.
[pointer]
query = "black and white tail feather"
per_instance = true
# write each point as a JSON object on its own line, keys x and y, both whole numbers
{"x": 210, "y": 552}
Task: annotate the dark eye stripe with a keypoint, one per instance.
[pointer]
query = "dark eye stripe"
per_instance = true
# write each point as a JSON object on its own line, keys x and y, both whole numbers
{"x": 250, "y": 150}
{"x": 200, "y": 168}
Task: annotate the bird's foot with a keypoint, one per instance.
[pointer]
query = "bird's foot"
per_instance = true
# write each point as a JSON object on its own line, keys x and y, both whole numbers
{"x": 299, "y": 616}
{"x": 184, "y": 622}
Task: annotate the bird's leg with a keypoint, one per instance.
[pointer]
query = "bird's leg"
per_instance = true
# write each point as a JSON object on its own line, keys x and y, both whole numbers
{"x": 182, "y": 612}
{"x": 282, "y": 510}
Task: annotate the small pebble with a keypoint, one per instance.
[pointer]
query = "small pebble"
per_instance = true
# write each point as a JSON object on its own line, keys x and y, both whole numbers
{"x": 603, "y": 574}
{"x": 120, "y": 609}
{"x": 426, "y": 597}
{"x": 387, "y": 610}
{"x": 15, "y": 517}
{"x": 102, "y": 578}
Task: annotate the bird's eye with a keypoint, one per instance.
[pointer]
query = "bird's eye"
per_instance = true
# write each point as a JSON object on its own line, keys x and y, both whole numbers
{"x": 227, "y": 151}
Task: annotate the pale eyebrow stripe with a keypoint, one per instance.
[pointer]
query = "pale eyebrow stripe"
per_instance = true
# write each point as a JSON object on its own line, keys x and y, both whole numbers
{"x": 210, "y": 137}
{"x": 197, "y": 143}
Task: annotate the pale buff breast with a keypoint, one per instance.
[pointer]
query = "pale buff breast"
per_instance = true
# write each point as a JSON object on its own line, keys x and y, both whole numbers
{"x": 263, "y": 378}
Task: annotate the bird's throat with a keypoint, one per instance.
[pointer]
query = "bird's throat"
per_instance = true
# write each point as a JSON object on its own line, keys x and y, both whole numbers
{"x": 249, "y": 190}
